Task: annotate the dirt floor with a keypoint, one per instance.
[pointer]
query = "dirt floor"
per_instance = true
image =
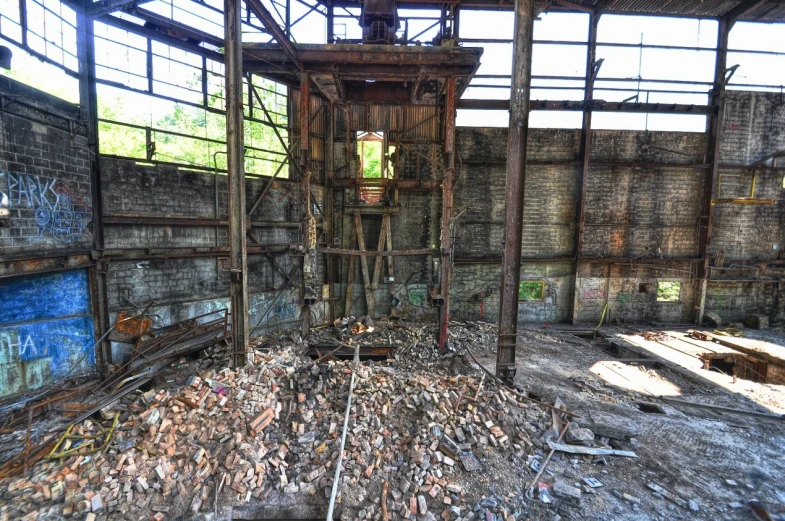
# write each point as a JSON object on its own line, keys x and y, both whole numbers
{"x": 719, "y": 461}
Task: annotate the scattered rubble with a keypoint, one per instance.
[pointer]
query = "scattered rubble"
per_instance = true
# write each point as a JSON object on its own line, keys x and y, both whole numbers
{"x": 429, "y": 437}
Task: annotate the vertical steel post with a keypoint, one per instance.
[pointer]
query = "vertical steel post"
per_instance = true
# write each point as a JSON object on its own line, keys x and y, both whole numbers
{"x": 447, "y": 204}
{"x": 310, "y": 275}
{"x": 516, "y": 177}
{"x": 329, "y": 207}
{"x": 330, "y": 22}
{"x": 238, "y": 262}
{"x": 88, "y": 105}
{"x": 588, "y": 95}
{"x": 713, "y": 157}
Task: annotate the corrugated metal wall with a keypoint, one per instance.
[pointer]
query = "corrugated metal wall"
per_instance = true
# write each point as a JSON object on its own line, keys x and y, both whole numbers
{"x": 319, "y": 108}
{"x": 45, "y": 329}
{"x": 405, "y": 123}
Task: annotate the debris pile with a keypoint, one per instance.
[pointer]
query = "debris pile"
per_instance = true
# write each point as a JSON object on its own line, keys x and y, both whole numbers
{"x": 428, "y": 437}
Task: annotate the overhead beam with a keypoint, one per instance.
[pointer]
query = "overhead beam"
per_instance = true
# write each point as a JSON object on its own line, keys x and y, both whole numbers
{"x": 96, "y": 9}
{"x": 516, "y": 177}
{"x": 163, "y": 38}
{"x": 280, "y": 36}
{"x": 177, "y": 28}
{"x": 593, "y": 105}
{"x": 744, "y": 7}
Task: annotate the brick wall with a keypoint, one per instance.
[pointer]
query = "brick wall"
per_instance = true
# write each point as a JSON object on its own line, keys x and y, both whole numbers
{"x": 186, "y": 287}
{"x": 45, "y": 190}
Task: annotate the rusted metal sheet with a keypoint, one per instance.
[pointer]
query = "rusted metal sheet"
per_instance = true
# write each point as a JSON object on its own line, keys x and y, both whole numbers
{"x": 17, "y": 267}
{"x": 516, "y": 177}
{"x": 129, "y": 327}
{"x": 404, "y": 123}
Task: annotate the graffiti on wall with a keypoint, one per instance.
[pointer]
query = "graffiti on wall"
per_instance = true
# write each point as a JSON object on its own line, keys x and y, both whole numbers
{"x": 551, "y": 311}
{"x": 58, "y": 212}
{"x": 631, "y": 305}
{"x": 593, "y": 289}
{"x": 46, "y": 330}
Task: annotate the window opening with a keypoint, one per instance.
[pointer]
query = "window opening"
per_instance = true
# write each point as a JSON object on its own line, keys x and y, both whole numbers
{"x": 531, "y": 290}
{"x": 668, "y": 291}
{"x": 372, "y": 165}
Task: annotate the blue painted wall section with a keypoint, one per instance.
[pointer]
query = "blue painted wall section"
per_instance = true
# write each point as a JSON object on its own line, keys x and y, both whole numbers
{"x": 45, "y": 329}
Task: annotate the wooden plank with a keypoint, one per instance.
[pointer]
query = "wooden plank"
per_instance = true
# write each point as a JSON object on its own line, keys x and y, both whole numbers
{"x": 592, "y": 451}
{"x": 377, "y": 269}
{"x": 390, "y": 263}
{"x": 350, "y": 280}
{"x": 369, "y": 300}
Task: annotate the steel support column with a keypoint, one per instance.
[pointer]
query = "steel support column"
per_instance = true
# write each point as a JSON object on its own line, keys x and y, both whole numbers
{"x": 238, "y": 262}
{"x": 516, "y": 177}
{"x": 447, "y": 207}
{"x": 88, "y": 104}
{"x": 330, "y": 22}
{"x": 713, "y": 158}
{"x": 329, "y": 207}
{"x": 588, "y": 94}
{"x": 310, "y": 276}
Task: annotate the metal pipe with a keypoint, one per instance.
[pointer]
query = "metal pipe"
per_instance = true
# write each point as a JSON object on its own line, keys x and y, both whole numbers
{"x": 337, "y": 476}
{"x": 516, "y": 176}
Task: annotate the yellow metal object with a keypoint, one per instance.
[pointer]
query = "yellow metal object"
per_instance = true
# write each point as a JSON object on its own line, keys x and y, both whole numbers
{"x": 89, "y": 445}
{"x": 729, "y": 331}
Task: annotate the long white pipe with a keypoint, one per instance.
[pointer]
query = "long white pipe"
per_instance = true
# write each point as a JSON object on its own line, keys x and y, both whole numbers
{"x": 337, "y": 477}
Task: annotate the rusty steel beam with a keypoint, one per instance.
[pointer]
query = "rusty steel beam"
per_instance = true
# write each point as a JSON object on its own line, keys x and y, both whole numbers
{"x": 744, "y": 7}
{"x": 329, "y": 204}
{"x": 594, "y": 105}
{"x": 88, "y": 105}
{"x": 391, "y": 184}
{"x": 713, "y": 158}
{"x": 362, "y": 71}
{"x": 313, "y": 54}
{"x": 585, "y": 151}
{"x": 57, "y": 262}
{"x": 387, "y": 253}
{"x": 516, "y": 177}
{"x": 310, "y": 268}
{"x": 280, "y": 36}
{"x": 163, "y": 254}
{"x": 96, "y": 9}
{"x": 144, "y": 220}
{"x": 447, "y": 211}
{"x": 238, "y": 253}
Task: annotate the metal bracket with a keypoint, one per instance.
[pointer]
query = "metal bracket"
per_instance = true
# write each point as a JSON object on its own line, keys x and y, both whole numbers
{"x": 507, "y": 373}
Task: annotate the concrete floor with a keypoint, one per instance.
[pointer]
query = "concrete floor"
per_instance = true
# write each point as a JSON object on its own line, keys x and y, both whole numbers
{"x": 688, "y": 450}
